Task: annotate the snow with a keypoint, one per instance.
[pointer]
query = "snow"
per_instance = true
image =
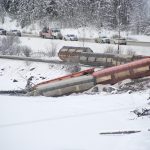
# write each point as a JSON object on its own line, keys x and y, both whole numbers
{"x": 21, "y": 71}
{"x": 84, "y": 32}
{"x": 140, "y": 38}
{"x": 9, "y": 24}
{"x": 72, "y": 122}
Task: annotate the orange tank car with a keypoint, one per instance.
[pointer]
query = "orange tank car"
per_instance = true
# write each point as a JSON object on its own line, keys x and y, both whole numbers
{"x": 132, "y": 70}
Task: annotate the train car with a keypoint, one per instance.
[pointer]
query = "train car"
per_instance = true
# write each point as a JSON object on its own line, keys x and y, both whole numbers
{"x": 65, "y": 87}
{"x": 81, "y": 82}
{"x": 132, "y": 70}
{"x": 103, "y": 59}
{"x": 69, "y": 53}
{"x": 96, "y": 59}
{"x": 73, "y": 75}
{"x": 87, "y": 57}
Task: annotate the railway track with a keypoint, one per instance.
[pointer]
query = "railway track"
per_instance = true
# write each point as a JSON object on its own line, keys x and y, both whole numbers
{"x": 32, "y": 59}
{"x": 18, "y": 58}
{"x": 13, "y": 92}
{"x": 58, "y": 62}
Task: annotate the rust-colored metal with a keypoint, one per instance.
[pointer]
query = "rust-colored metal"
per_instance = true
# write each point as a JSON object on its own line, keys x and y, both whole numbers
{"x": 82, "y": 55}
{"x": 127, "y": 68}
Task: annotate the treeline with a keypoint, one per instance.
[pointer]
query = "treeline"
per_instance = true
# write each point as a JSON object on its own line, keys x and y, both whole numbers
{"x": 128, "y": 14}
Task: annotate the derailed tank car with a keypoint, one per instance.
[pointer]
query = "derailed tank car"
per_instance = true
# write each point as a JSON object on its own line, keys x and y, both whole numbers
{"x": 132, "y": 70}
{"x": 65, "y": 87}
{"x": 86, "y": 56}
{"x": 73, "y": 75}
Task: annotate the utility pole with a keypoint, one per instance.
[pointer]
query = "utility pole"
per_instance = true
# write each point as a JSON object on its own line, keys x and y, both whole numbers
{"x": 84, "y": 25}
{"x": 83, "y": 35}
{"x": 118, "y": 17}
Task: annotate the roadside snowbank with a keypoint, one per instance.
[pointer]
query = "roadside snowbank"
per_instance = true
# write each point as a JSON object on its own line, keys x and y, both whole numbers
{"x": 39, "y": 44}
{"x": 140, "y": 38}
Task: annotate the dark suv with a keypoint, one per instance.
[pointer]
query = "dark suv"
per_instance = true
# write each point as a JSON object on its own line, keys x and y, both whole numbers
{"x": 14, "y": 33}
{"x": 2, "y": 31}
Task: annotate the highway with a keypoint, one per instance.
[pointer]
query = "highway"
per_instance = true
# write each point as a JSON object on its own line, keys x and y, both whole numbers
{"x": 129, "y": 42}
{"x": 137, "y": 43}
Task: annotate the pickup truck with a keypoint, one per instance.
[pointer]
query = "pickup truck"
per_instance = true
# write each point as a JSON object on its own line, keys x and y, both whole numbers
{"x": 51, "y": 33}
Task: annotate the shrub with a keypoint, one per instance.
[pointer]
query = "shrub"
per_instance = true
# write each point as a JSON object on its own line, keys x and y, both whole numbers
{"x": 130, "y": 52}
{"x": 72, "y": 68}
{"x": 52, "y": 51}
{"x": 109, "y": 50}
{"x": 112, "y": 50}
{"x": 8, "y": 44}
{"x": 26, "y": 51}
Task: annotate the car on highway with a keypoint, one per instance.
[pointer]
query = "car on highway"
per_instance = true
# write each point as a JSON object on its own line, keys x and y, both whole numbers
{"x": 70, "y": 37}
{"x": 51, "y": 33}
{"x": 2, "y": 31}
{"x": 14, "y": 33}
{"x": 120, "y": 41}
{"x": 103, "y": 39}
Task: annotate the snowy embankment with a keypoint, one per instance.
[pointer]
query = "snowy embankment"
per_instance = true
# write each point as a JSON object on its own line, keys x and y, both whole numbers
{"x": 73, "y": 122}
{"x": 141, "y": 38}
{"x": 14, "y": 74}
{"x": 39, "y": 44}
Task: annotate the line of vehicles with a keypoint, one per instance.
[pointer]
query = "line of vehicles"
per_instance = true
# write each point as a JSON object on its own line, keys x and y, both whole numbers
{"x": 55, "y": 33}
{"x": 10, "y": 32}
{"x": 104, "y": 39}
{"x": 47, "y": 33}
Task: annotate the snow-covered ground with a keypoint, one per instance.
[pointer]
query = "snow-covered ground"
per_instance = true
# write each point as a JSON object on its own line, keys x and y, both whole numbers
{"x": 73, "y": 122}
{"x": 69, "y": 122}
{"x": 14, "y": 74}
{"x": 141, "y": 38}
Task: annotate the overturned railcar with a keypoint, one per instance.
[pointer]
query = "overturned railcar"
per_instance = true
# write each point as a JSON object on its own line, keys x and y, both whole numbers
{"x": 86, "y": 56}
{"x": 73, "y": 75}
{"x": 65, "y": 87}
{"x": 132, "y": 70}
{"x": 70, "y": 53}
